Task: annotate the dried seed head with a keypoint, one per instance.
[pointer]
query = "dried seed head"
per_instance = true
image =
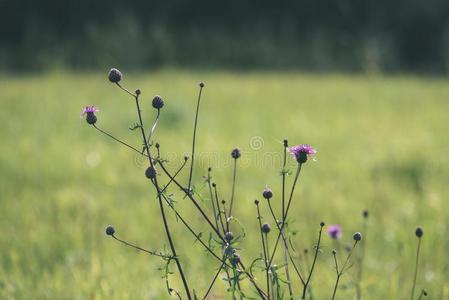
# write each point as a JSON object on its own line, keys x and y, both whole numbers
{"x": 322, "y": 224}
{"x": 256, "y": 202}
{"x": 115, "y": 75}
{"x": 138, "y": 92}
{"x": 151, "y": 172}
{"x": 110, "y": 230}
{"x": 157, "y": 145}
{"x": 266, "y": 228}
{"x": 357, "y": 236}
{"x": 334, "y": 251}
{"x": 201, "y": 84}
{"x": 228, "y": 236}
{"x": 157, "y": 103}
{"x": 186, "y": 158}
{"x": 236, "y": 153}
{"x": 419, "y": 232}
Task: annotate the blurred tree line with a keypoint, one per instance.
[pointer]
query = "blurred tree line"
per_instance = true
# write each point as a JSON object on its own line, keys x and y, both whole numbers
{"x": 348, "y": 35}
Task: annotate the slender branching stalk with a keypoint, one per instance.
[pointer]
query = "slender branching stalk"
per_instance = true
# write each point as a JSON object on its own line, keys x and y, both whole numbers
{"x": 298, "y": 171}
{"x": 231, "y": 206}
{"x": 116, "y": 139}
{"x": 317, "y": 249}
{"x": 156, "y": 185}
{"x": 265, "y": 256}
{"x": 361, "y": 257}
{"x": 154, "y": 253}
{"x": 189, "y": 186}
{"x": 344, "y": 267}
{"x": 212, "y": 200}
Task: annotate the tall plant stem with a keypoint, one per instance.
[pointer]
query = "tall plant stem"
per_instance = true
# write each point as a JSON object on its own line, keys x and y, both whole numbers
{"x": 343, "y": 268}
{"x": 416, "y": 269}
{"x": 361, "y": 259}
{"x": 317, "y": 249}
{"x": 264, "y": 250}
{"x": 214, "y": 211}
{"x": 286, "y": 252}
{"x": 232, "y": 194}
{"x": 298, "y": 171}
{"x": 189, "y": 186}
{"x": 161, "y": 206}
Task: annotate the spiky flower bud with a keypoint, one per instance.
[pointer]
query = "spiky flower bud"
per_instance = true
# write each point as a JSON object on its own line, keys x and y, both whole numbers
{"x": 157, "y": 103}
{"x": 334, "y": 251}
{"x": 110, "y": 230}
{"x": 236, "y": 153}
{"x": 201, "y": 84}
{"x": 419, "y": 232}
{"x": 322, "y": 224}
{"x": 256, "y": 202}
{"x": 266, "y": 228}
{"x": 267, "y": 193}
{"x": 151, "y": 172}
{"x": 285, "y": 143}
{"x": 115, "y": 75}
{"x": 357, "y": 236}
{"x": 138, "y": 92}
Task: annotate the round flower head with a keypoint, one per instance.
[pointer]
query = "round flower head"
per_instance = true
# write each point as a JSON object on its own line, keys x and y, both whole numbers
{"x": 419, "y": 232}
{"x": 267, "y": 193}
{"x": 89, "y": 112}
{"x": 151, "y": 172}
{"x": 236, "y": 153}
{"x": 357, "y": 236}
{"x": 110, "y": 230}
{"x": 334, "y": 231}
{"x": 157, "y": 103}
{"x": 115, "y": 75}
{"x": 302, "y": 152}
{"x": 266, "y": 228}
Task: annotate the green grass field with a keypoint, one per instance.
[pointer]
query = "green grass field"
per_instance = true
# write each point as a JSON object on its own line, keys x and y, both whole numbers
{"x": 382, "y": 143}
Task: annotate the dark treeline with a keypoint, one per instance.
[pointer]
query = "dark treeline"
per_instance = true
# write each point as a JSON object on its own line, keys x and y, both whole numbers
{"x": 349, "y": 35}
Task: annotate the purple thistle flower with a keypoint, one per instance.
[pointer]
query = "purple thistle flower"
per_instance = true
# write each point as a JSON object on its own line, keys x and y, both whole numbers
{"x": 302, "y": 152}
{"x": 89, "y": 112}
{"x": 334, "y": 231}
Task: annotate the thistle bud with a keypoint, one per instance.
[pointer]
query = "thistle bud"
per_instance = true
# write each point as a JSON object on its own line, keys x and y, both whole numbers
{"x": 110, "y": 230}
{"x": 157, "y": 103}
{"x": 266, "y": 228}
{"x": 115, "y": 75}
{"x": 357, "y": 236}
{"x": 236, "y": 153}
{"x": 151, "y": 172}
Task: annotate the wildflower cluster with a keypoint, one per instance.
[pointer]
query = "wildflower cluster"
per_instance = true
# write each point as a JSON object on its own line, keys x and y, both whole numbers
{"x": 291, "y": 277}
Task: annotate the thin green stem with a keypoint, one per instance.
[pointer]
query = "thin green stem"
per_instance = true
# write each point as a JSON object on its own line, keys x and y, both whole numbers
{"x": 416, "y": 268}
{"x": 232, "y": 192}
{"x": 154, "y": 253}
{"x": 317, "y": 249}
{"x": 189, "y": 186}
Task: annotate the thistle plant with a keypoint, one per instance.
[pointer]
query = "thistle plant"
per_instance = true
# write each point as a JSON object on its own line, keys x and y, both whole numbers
{"x": 288, "y": 278}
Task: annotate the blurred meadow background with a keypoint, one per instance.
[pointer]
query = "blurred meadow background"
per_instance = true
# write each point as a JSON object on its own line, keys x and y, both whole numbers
{"x": 363, "y": 82}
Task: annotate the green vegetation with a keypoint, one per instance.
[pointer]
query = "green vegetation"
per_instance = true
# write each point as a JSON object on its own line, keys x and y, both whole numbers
{"x": 382, "y": 144}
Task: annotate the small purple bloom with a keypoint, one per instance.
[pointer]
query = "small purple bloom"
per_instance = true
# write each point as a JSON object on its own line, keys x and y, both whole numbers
{"x": 334, "y": 231}
{"x": 89, "y": 109}
{"x": 302, "y": 152}
{"x": 89, "y": 112}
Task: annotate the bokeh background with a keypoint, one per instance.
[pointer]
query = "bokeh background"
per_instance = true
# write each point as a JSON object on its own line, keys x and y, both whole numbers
{"x": 364, "y": 82}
